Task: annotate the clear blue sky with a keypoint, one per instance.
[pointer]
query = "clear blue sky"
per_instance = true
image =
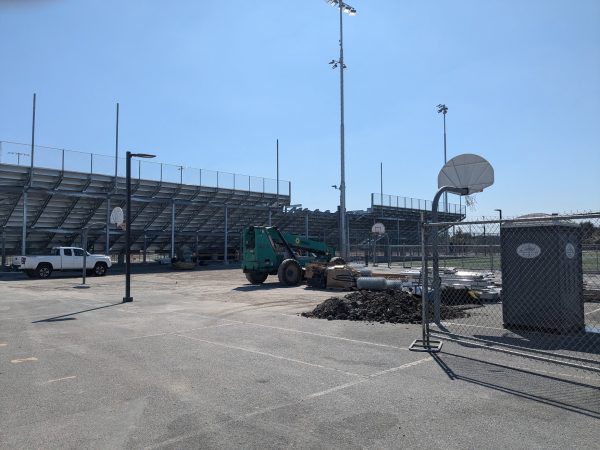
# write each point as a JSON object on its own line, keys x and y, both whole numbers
{"x": 213, "y": 84}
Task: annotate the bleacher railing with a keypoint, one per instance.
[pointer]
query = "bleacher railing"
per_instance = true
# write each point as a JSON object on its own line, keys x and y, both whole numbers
{"x": 93, "y": 163}
{"x": 394, "y": 201}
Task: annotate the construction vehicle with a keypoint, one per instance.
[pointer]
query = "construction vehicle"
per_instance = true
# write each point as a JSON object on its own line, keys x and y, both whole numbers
{"x": 268, "y": 251}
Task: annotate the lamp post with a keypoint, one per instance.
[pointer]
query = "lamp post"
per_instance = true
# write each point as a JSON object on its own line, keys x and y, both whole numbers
{"x": 500, "y": 213}
{"x": 343, "y": 8}
{"x": 129, "y": 155}
{"x": 443, "y": 109}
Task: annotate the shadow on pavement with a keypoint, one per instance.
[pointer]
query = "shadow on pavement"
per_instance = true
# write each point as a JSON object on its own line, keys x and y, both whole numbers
{"x": 573, "y": 396}
{"x": 261, "y": 287}
{"x": 65, "y": 317}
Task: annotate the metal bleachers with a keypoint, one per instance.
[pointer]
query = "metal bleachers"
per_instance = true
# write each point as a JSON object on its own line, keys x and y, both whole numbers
{"x": 203, "y": 210}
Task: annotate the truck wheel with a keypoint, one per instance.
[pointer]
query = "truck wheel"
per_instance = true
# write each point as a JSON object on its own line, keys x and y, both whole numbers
{"x": 337, "y": 261}
{"x": 256, "y": 277}
{"x": 290, "y": 272}
{"x": 43, "y": 270}
{"x": 100, "y": 269}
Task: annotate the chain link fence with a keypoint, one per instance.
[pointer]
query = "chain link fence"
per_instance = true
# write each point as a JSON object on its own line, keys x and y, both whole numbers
{"x": 529, "y": 285}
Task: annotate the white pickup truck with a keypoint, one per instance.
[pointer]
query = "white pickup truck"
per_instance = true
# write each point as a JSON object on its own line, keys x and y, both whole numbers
{"x": 62, "y": 258}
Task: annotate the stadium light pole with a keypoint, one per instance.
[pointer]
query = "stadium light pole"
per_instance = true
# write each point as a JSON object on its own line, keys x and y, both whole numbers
{"x": 129, "y": 155}
{"x": 343, "y": 8}
{"x": 443, "y": 109}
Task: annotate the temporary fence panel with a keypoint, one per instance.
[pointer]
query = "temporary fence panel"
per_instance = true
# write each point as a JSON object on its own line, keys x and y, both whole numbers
{"x": 528, "y": 285}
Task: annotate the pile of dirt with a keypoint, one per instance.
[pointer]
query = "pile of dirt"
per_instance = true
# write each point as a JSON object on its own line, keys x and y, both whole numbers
{"x": 391, "y": 306}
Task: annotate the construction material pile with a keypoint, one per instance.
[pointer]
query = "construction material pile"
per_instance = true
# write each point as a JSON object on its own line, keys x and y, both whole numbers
{"x": 393, "y": 306}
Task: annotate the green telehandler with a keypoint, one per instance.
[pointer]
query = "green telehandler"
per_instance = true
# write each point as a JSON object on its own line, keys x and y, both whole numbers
{"x": 268, "y": 251}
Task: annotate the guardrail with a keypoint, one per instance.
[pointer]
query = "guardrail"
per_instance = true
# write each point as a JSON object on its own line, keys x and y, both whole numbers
{"x": 394, "y": 201}
{"x": 93, "y": 163}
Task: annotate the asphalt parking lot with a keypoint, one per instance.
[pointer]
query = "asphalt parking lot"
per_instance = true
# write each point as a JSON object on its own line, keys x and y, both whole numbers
{"x": 204, "y": 360}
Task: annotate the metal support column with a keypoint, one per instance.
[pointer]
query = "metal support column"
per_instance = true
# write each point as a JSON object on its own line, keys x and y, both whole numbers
{"x": 270, "y": 218}
{"x": 306, "y": 225}
{"x": 173, "y": 230}
{"x": 145, "y": 247}
{"x": 24, "y": 227}
{"x": 436, "y": 285}
{"x": 3, "y": 247}
{"x": 107, "y": 243}
{"x": 225, "y": 261}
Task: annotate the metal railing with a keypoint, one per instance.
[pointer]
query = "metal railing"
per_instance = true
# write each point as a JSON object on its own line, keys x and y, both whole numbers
{"x": 394, "y": 201}
{"x": 93, "y": 163}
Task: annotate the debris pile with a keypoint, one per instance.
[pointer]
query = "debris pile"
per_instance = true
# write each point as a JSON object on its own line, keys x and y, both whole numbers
{"x": 458, "y": 296}
{"x": 390, "y": 305}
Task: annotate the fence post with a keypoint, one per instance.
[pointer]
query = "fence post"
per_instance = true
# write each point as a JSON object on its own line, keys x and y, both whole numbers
{"x": 424, "y": 284}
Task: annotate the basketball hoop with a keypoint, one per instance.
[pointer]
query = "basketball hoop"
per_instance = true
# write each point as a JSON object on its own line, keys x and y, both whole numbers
{"x": 117, "y": 217}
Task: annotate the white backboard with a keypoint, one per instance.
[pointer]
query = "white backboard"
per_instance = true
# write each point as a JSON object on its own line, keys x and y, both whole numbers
{"x": 378, "y": 228}
{"x": 116, "y": 216}
{"x": 467, "y": 171}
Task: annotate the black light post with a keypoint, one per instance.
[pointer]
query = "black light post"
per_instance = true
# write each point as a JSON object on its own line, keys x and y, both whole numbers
{"x": 129, "y": 155}
{"x": 499, "y": 212}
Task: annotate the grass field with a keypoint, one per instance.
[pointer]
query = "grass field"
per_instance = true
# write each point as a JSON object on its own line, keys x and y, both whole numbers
{"x": 590, "y": 260}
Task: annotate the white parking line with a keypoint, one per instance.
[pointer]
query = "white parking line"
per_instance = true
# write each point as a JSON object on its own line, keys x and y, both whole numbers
{"x": 357, "y": 341}
{"x": 18, "y": 361}
{"x": 60, "y": 379}
{"x": 591, "y": 312}
{"x": 270, "y": 355}
{"x": 374, "y": 375}
{"x": 176, "y": 333}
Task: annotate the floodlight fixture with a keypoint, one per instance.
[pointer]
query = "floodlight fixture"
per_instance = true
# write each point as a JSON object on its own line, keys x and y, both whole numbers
{"x": 345, "y": 7}
{"x": 442, "y": 108}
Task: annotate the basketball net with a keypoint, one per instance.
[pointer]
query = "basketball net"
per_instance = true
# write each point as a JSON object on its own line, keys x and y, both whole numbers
{"x": 471, "y": 202}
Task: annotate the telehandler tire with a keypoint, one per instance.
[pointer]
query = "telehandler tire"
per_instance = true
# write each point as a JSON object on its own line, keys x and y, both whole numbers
{"x": 256, "y": 277}
{"x": 290, "y": 272}
{"x": 337, "y": 261}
